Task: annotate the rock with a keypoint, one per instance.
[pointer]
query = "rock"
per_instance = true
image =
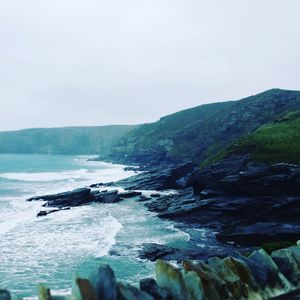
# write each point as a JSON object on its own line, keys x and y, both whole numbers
{"x": 211, "y": 194}
{"x": 4, "y": 295}
{"x": 157, "y": 178}
{"x": 258, "y": 233}
{"x": 293, "y": 295}
{"x": 96, "y": 185}
{"x": 104, "y": 283}
{"x": 82, "y": 289}
{"x": 128, "y": 292}
{"x": 288, "y": 263}
{"x": 72, "y": 198}
{"x": 143, "y": 198}
{"x": 155, "y": 195}
{"x": 130, "y": 194}
{"x": 79, "y": 197}
{"x": 150, "y": 286}
{"x": 110, "y": 197}
{"x": 171, "y": 279}
{"x": 135, "y": 169}
{"x": 153, "y": 252}
{"x": 194, "y": 285}
{"x": 237, "y": 175}
{"x": 42, "y": 213}
{"x": 44, "y": 292}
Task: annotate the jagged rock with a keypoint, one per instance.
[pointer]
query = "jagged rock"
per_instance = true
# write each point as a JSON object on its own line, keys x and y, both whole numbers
{"x": 158, "y": 178}
{"x": 194, "y": 285}
{"x": 4, "y": 295}
{"x": 293, "y": 295}
{"x": 44, "y": 292}
{"x": 237, "y": 175}
{"x": 150, "y": 286}
{"x": 80, "y": 197}
{"x": 104, "y": 283}
{"x": 213, "y": 286}
{"x": 171, "y": 279}
{"x": 288, "y": 263}
{"x": 129, "y": 292}
{"x": 72, "y": 198}
{"x": 82, "y": 289}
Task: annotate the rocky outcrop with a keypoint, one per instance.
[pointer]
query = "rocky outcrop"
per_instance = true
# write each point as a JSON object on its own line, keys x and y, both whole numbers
{"x": 238, "y": 175}
{"x": 83, "y": 196}
{"x": 236, "y": 277}
{"x": 171, "y": 177}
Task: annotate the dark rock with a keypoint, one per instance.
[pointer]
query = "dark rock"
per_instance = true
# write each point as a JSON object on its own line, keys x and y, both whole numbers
{"x": 211, "y": 194}
{"x": 130, "y": 194}
{"x": 73, "y": 198}
{"x": 4, "y": 295}
{"x": 150, "y": 286}
{"x": 42, "y": 213}
{"x": 135, "y": 169}
{"x": 143, "y": 198}
{"x": 104, "y": 283}
{"x": 158, "y": 178}
{"x": 258, "y": 233}
{"x": 236, "y": 175}
{"x": 293, "y": 295}
{"x": 129, "y": 292}
{"x": 96, "y": 185}
{"x": 76, "y": 198}
{"x": 153, "y": 252}
{"x": 155, "y": 195}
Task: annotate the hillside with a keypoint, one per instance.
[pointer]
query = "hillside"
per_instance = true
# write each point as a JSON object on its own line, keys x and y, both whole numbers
{"x": 276, "y": 142}
{"x": 66, "y": 140}
{"x": 200, "y": 132}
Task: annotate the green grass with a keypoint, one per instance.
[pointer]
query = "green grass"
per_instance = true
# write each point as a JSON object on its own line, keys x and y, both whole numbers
{"x": 272, "y": 143}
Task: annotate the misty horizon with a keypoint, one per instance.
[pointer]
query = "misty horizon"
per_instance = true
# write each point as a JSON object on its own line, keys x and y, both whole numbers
{"x": 75, "y": 63}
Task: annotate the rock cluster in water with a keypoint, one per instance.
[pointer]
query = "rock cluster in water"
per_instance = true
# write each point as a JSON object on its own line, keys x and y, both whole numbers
{"x": 82, "y": 196}
{"x": 258, "y": 276}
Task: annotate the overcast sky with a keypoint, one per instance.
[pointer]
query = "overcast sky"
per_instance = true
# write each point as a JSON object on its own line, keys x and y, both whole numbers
{"x": 97, "y": 62}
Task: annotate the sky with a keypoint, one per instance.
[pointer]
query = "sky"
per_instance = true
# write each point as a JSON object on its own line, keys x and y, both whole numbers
{"x": 99, "y": 62}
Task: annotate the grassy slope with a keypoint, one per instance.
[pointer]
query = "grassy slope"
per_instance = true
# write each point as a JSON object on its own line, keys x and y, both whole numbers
{"x": 202, "y": 131}
{"x": 272, "y": 143}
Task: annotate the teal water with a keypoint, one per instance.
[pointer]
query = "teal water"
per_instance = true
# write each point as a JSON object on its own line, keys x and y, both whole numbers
{"x": 50, "y": 249}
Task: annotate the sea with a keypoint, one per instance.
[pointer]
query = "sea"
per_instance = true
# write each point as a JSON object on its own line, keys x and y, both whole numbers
{"x": 54, "y": 249}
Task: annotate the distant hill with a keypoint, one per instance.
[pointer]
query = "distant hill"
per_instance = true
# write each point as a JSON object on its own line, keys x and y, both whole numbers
{"x": 192, "y": 134}
{"x": 197, "y": 133}
{"x": 276, "y": 142}
{"x": 65, "y": 140}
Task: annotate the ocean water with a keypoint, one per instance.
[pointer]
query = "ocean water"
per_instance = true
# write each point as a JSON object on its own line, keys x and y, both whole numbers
{"x": 52, "y": 248}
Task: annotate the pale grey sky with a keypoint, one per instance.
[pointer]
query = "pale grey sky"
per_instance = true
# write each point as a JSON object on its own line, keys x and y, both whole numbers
{"x": 96, "y": 62}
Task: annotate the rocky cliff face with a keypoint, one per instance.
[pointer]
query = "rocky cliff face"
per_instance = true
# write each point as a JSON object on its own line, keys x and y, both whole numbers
{"x": 197, "y": 133}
